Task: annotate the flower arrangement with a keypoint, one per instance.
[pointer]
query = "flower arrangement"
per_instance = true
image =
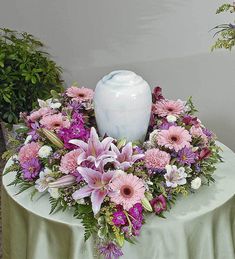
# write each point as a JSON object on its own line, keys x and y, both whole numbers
{"x": 112, "y": 185}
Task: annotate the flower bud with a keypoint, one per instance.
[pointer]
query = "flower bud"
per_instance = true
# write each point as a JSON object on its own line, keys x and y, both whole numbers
{"x": 53, "y": 138}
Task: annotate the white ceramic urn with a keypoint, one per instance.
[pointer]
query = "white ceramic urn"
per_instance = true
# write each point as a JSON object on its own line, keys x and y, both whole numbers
{"x": 123, "y": 103}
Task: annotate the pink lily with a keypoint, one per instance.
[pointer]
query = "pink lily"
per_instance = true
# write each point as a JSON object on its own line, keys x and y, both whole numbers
{"x": 95, "y": 151}
{"x": 97, "y": 188}
{"x": 125, "y": 158}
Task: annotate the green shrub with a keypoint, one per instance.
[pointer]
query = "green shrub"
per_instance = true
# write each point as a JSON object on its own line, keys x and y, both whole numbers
{"x": 26, "y": 74}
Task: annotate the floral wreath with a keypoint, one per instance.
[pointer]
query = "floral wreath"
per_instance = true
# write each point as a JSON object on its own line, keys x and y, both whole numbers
{"x": 111, "y": 185}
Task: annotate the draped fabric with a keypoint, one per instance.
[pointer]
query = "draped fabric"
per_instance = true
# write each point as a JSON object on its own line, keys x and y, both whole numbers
{"x": 199, "y": 226}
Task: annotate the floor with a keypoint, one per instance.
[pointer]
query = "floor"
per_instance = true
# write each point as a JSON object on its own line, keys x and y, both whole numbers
{"x": 2, "y": 163}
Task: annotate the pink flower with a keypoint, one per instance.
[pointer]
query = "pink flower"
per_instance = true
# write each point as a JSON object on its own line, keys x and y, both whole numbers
{"x": 125, "y": 158}
{"x": 55, "y": 121}
{"x": 155, "y": 158}
{"x": 197, "y": 132}
{"x": 39, "y": 113}
{"x": 175, "y": 138}
{"x": 68, "y": 162}
{"x": 95, "y": 151}
{"x": 28, "y": 152}
{"x": 80, "y": 94}
{"x": 97, "y": 188}
{"x": 127, "y": 190}
{"x": 168, "y": 107}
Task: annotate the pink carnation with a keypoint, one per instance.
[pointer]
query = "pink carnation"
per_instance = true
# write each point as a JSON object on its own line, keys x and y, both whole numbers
{"x": 80, "y": 94}
{"x": 68, "y": 162}
{"x": 168, "y": 107}
{"x": 39, "y": 113}
{"x": 28, "y": 152}
{"x": 155, "y": 158}
{"x": 127, "y": 190}
{"x": 55, "y": 121}
{"x": 197, "y": 132}
{"x": 175, "y": 137}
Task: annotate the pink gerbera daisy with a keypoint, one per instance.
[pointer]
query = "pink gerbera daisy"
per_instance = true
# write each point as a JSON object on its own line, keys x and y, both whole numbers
{"x": 28, "y": 152}
{"x": 155, "y": 158}
{"x": 127, "y": 190}
{"x": 175, "y": 138}
{"x": 80, "y": 94}
{"x": 69, "y": 163}
{"x": 55, "y": 121}
{"x": 168, "y": 107}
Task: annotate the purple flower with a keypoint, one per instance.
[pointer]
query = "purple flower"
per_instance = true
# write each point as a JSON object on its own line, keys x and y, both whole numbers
{"x": 159, "y": 204}
{"x": 186, "y": 156}
{"x": 166, "y": 125}
{"x": 157, "y": 93}
{"x": 75, "y": 131}
{"x": 136, "y": 211}
{"x": 190, "y": 120}
{"x": 31, "y": 169}
{"x": 110, "y": 251}
{"x": 119, "y": 218}
{"x": 208, "y": 133}
{"x": 137, "y": 223}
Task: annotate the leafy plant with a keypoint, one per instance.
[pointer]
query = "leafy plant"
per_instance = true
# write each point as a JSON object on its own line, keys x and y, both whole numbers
{"x": 26, "y": 74}
{"x": 225, "y": 32}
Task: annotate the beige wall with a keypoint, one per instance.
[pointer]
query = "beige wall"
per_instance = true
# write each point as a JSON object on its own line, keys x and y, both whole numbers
{"x": 166, "y": 41}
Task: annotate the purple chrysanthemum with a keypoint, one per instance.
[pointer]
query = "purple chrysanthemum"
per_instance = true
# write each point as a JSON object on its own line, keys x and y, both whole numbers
{"x": 119, "y": 218}
{"x": 186, "y": 156}
{"x": 31, "y": 169}
{"x": 110, "y": 251}
{"x": 208, "y": 133}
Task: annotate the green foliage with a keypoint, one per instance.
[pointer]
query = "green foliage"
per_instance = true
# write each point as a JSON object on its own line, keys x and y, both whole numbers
{"x": 26, "y": 74}
{"x": 225, "y": 32}
{"x": 12, "y": 168}
{"x": 191, "y": 107}
{"x": 89, "y": 222}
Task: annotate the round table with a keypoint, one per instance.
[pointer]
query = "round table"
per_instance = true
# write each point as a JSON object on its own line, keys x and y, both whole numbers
{"x": 200, "y": 226}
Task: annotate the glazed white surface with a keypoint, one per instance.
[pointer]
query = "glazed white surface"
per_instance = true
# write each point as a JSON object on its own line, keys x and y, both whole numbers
{"x": 123, "y": 105}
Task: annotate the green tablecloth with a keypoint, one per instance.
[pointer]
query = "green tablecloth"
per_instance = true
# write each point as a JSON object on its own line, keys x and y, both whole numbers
{"x": 200, "y": 226}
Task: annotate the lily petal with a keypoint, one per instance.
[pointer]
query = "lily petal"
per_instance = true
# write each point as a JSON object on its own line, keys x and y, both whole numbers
{"x": 127, "y": 150}
{"x": 107, "y": 142}
{"x": 92, "y": 177}
{"x": 107, "y": 177}
{"x": 81, "y": 158}
{"x": 82, "y": 193}
{"x": 97, "y": 197}
{"x": 115, "y": 149}
{"x": 136, "y": 157}
{"x": 83, "y": 145}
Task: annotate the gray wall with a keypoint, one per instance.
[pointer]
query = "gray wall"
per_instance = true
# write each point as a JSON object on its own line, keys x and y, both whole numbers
{"x": 166, "y": 41}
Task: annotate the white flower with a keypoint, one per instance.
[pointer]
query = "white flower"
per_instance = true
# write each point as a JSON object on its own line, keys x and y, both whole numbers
{"x": 28, "y": 139}
{"x": 153, "y": 138}
{"x": 196, "y": 183}
{"x": 54, "y": 192}
{"x": 44, "y": 151}
{"x": 49, "y": 103}
{"x": 175, "y": 176}
{"x": 171, "y": 118}
{"x": 81, "y": 201}
{"x": 44, "y": 178}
